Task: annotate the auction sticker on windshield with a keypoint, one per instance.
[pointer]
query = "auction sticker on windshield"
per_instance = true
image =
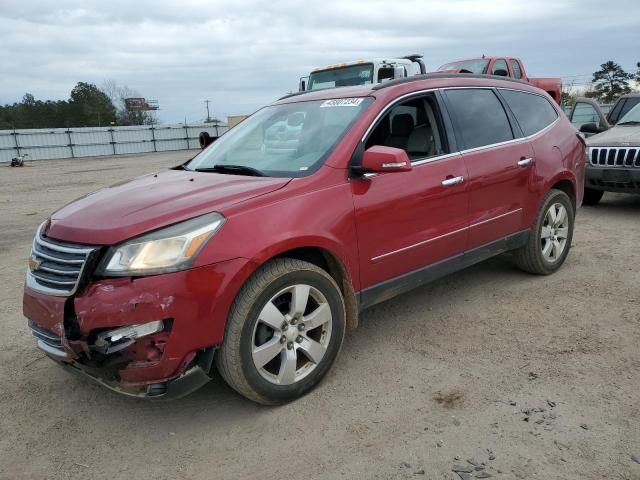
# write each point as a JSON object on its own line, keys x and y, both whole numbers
{"x": 342, "y": 102}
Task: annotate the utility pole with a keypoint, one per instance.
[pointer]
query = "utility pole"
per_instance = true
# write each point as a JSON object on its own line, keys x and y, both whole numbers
{"x": 208, "y": 114}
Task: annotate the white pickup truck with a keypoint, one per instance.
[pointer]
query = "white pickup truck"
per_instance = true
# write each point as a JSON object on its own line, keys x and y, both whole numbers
{"x": 362, "y": 72}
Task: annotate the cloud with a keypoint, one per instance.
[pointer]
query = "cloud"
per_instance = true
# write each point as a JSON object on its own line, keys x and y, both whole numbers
{"x": 243, "y": 54}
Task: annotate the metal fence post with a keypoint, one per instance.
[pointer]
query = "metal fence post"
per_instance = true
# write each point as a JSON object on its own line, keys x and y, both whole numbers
{"x": 113, "y": 141}
{"x": 186, "y": 135}
{"x": 153, "y": 138}
{"x": 15, "y": 139}
{"x": 70, "y": 143}
{"x": 217, "y": 134}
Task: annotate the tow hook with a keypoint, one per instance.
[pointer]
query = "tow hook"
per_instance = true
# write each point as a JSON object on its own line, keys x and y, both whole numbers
{"x": 115, "y": 340}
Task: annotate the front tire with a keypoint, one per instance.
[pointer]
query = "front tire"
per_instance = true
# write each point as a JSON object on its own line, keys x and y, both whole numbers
{"x": 592, "y": 197}
{"x": 284, "y": 332}
{"x": 550, "y": 239}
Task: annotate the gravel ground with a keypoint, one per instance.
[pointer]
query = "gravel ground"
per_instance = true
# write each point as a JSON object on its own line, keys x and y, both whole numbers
{"x": 537, "y": 377}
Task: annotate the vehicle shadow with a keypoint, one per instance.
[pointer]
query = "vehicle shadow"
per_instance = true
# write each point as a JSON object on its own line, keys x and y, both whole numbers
{"x": 618, "y": 202}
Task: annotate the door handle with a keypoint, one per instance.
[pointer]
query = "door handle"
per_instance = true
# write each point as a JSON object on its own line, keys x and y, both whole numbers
{"x": 449, "y": 182}
{"x": 525, "y": 162}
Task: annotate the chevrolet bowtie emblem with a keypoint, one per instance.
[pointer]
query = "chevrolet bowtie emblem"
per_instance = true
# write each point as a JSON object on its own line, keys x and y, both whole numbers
{"x": 34, "y": 263}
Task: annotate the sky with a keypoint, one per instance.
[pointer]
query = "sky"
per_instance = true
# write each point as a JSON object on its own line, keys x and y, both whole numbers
{"x": 244, "y": 54}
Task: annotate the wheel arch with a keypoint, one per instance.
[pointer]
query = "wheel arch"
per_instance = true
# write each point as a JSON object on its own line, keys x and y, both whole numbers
{"x": 333, "y": 265}
{"x": 568, "y": 186}
{"x": 323, "y": 255}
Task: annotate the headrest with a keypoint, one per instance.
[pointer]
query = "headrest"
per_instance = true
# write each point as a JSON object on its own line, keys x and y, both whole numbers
{"x": 420, "y": 140}
{"x": 402, "y": 124}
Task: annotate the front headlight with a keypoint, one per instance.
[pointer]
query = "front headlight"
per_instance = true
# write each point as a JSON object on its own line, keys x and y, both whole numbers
{"x": 166, "y": 250}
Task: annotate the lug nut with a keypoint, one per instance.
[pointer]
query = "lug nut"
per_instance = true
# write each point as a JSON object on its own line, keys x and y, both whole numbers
{"x": 299, "y": 339}
{"x": 283, "y": 339}
{"x": 301, "y": 327}
{"x": 289, "y": 345}
{"x": 285, "y": 325}
{"x": 294, "y": 321}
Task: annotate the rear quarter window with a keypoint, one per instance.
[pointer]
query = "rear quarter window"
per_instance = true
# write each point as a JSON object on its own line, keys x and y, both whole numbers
{"x": 533, "y": 112}
{"x": 515, "y": 66}
{"x": 479, "y": 117}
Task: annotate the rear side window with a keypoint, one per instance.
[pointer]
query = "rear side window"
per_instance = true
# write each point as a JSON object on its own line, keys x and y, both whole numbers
{"x": 515, "y": 66}
{"x": 479, "y": 117}
{"x": 532, "y": 112}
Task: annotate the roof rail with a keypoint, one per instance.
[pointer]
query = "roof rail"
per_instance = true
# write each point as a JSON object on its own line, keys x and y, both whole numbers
{"x": 295, "y": 94}
{"x": 435, "y": 75}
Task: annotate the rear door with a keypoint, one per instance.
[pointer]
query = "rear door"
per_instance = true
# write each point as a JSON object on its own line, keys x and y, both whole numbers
{"x": 499, "y": 163}
{"x": 409, "y": 220}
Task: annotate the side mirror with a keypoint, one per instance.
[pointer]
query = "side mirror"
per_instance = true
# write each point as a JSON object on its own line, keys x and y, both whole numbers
{"x": 591, "y": 128}
{"x": 380, "y": 159}
{"x": 302, "y": 86}
{"x": 501, "y": 72}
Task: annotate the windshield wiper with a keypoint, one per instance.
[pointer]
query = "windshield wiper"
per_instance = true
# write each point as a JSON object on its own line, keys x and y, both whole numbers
{"x": 630, "y": 122}
{"x": 232, "y": 169}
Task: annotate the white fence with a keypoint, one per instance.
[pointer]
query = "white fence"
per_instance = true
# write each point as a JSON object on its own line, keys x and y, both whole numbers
{"x": 50, "y": 143}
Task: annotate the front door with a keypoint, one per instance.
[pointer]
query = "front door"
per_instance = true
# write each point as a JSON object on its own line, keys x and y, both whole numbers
{"x": 408, "y": 220}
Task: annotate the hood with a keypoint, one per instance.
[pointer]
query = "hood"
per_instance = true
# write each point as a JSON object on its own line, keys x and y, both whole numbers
{"x": 616, "y": 136}
{"x": 128, "y": 209}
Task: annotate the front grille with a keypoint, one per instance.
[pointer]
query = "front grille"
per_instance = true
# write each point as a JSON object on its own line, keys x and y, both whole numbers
{"x": 48, "y": 341}
{"x": 56, "y": 267}
{"x": 615, "y": 157}
{"x": 47, "y": 337}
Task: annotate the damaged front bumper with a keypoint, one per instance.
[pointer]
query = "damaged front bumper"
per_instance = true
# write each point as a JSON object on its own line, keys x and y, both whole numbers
{"x": 194, "y": 377}
{"x": 150, "y": 337}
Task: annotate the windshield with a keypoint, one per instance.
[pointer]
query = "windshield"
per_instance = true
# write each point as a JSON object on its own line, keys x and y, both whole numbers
{"x": 632, "y": 117}
{"x": 360, "y": 74}
{"x": 479, "y": 67}
{"x": 288, "y": 140}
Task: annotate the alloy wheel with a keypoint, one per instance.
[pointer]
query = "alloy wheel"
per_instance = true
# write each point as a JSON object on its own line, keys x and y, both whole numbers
{"x": 292, "y": 334}
{"x": 554, "y": 233}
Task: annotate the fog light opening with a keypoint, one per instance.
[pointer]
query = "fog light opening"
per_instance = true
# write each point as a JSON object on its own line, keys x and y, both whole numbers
{"x": 115, "y": 340}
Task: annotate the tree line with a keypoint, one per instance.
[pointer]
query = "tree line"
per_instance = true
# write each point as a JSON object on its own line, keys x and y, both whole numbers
{"x": 607, "y": 84}
{"x": 87, "y": 106}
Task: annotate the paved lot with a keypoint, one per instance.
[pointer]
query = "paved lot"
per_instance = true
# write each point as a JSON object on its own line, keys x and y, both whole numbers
{"x": 490, "y": 359}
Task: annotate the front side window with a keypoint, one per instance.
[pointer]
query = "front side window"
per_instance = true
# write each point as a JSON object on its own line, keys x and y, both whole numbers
{"x": 584, "y": 113}
{"x": 479, "y": 117}
{"x": 500, "y": 68}
{"x": 532, "y": 112}
{"x": 287, "y": 140}
{"x": 415, "y": 126}
{"x": 360, "y": 74}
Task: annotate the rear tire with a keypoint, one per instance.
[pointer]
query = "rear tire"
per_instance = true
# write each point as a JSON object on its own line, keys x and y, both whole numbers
{"x": 284, "y": 331}
{"x": 550, "y": 238}
{"x": 592, "y": 197}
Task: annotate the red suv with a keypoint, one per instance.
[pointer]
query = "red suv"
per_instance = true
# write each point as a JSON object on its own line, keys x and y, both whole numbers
{"x": 259, "y": 253}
